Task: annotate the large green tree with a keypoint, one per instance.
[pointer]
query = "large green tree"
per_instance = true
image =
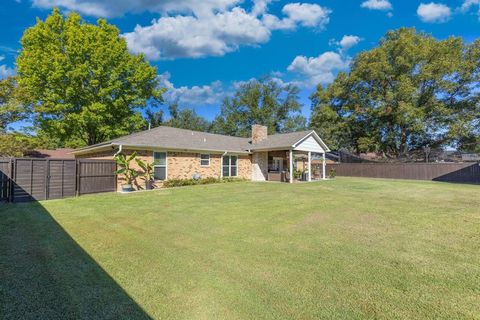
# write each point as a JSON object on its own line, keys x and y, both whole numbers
{"x": 83, "y": 83}
{"x": 464, "y": 121}
{"x": 264, "y": 102}
{"x": 12, "y": 108}
{"x": 403, "y": 95}
{"x": 186, "y": 119}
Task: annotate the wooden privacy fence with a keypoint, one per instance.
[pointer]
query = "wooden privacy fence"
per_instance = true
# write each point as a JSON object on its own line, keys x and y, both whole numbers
{"x": 96, "y": 176}
{"x": 448, "y": 172}
{"x": 25, "y": 179}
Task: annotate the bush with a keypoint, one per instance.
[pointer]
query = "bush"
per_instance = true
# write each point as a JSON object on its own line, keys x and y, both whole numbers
{"x": 190, "y": 182}
{"x": 333, "y": 173}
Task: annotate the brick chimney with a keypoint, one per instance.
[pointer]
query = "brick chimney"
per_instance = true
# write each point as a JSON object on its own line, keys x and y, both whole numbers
{"x": 259, "y": 133}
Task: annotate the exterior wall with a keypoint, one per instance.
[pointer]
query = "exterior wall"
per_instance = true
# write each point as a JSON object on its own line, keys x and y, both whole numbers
{"x": 180, "y": 165}
{"x": 245, "y": 166}
{"x": 310, "y": 144}
{"x": 259, "y": 166}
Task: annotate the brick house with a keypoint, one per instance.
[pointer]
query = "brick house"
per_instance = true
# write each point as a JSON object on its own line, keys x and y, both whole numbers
{"x": 180, "y": 153}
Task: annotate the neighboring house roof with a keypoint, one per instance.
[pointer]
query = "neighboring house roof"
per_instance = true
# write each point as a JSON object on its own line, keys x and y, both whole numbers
{"x": 181, "y": 139}
{"x": 63, "y": 153}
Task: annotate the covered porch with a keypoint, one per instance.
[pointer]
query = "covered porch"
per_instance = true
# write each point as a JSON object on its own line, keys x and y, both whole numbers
{"x": 295, "y": 166}
{"x": 290, "y": 157}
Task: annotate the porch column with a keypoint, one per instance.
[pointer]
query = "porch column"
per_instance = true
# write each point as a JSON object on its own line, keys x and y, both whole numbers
{"x": 324, "y": 166}
{"x": 309, "y": 166}
{"x": 291, "y": 165}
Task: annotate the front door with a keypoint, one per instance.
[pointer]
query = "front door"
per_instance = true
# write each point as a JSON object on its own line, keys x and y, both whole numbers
{"x": 278, "y": 164}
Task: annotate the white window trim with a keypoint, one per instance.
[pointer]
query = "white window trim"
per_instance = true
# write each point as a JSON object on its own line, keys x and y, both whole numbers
{"x": 161, "y": 166}
{"x": 209, "y": 157}
{"x": 230, "y": 166}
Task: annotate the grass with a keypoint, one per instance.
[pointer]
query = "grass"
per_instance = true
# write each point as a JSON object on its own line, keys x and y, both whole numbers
{"x": 349, "y": 248}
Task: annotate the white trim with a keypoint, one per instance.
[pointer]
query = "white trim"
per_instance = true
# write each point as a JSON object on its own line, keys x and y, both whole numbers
{"x": 309, "y": 166}
{"x": 324, "y": 165}
{"x": 161, "y": 166}
{"x": 291, "y": 165}
{"x": 150, "y": 148}
{"x": 230, "y": 165}
{"x": 205, "y": 154}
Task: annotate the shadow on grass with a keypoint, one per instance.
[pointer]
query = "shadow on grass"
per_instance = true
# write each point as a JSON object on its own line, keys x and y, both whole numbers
{"x": 45, "y": 274}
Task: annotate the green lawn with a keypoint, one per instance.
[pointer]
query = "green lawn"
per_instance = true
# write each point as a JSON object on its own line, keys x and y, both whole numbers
{"x": 348, "y": 248}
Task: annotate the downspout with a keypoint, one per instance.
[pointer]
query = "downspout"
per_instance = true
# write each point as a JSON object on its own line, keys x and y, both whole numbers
{"x": 120, "y": 147}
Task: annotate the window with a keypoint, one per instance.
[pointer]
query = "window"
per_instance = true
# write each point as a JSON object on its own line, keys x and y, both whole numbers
{"x": 159, "y": 165}
{"x": 204, "y": 160}
{"x": 229, "y": 166}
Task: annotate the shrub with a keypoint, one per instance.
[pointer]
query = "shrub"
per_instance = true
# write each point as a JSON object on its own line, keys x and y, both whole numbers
{"x": 190, "y": 182}
{"x": 333, "y": 173}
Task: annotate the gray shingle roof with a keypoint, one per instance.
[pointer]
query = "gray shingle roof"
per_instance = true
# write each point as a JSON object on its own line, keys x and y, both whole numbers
{"x": 174, "y": 138}
{"x": 181, "y": 139}
{"x": 283, "y": 140}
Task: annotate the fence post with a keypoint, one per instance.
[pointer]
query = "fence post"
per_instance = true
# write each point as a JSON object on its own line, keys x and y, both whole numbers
{"x": 77, "y": 175}
{"x": 47, "y": 177}
{"x": 10, "y": 181}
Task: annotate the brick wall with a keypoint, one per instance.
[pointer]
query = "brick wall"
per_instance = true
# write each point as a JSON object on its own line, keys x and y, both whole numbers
{"x": 259, "y": 133}
{"x": 180, "y": 165}
{"x": 259, "y": 166}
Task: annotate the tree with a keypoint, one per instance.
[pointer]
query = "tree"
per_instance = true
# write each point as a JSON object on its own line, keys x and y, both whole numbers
{"x": 464, "y": 123}
{"x": 83, "y": 83}
{"x": 400, "y": 96}
{"x": 153, "y": 118}
{"x": 12, "y": 109}
{"x": 18, "y": 144}
{"x": 186, "y": 119}
{"x": 264, "y": 102}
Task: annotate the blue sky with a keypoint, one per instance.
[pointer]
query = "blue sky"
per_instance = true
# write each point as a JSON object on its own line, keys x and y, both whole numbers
{"x": 204, "y": 49}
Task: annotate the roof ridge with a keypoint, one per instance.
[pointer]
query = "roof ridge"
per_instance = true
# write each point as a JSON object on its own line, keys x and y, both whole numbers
{"x": 209, "y": 133}
{"x": 293, "y": 132}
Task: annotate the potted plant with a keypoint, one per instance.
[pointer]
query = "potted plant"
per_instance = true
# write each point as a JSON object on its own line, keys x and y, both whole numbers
{"x": 125, "y": 168}
{"x": 147, "y": 173}
{"x": 332, "y": 174}
{"x": 297, "y": 174}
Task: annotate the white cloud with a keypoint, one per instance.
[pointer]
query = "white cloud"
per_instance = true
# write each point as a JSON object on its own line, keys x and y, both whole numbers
{"x": 384, "y": 5}
{"x": 5, "y": 71}
{"x": 469, "y": 4}
{"x": 434, "y": 12}
{"x": 306, "y": 14}
{"x": 114, "y": 8}
{"x": 188, "y": 36}
{"x": 303, "y": 14}
{"x": 260, "y": 6}
{"x": 321, "y": 69}
{"x": 194, "y": 28}
{"x": 211, "y": 94}
{"x": 349, "y": 41}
